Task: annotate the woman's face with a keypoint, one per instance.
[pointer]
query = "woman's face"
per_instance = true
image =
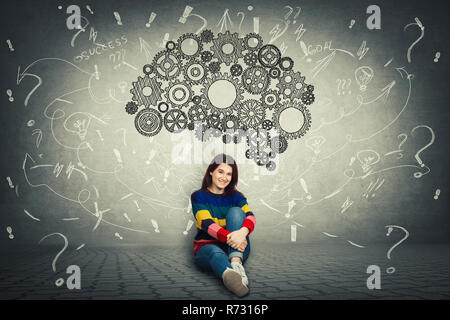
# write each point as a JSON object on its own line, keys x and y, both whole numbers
{"x": 221, "y": 176}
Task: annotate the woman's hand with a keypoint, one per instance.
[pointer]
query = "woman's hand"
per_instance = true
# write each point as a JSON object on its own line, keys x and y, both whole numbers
{"x": 237, "y": 239}
{"x": 243, "y": 245}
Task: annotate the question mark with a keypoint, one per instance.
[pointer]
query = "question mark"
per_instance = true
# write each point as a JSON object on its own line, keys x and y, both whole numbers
{"x": 289, "y": 12}
{"x": 339, "y": 84}
{"x": 298, "y": 12}
{"x": 348, "y": 86}
{"x": 243, "y": 16}
{"x": 400, "y": 155}
{"x": 422, "y": 32}
{"x": 418, "y": 159}
{"x": 390, "y": 229}
{"x": 205, "y": 22}
{"x": 59, "y": 282}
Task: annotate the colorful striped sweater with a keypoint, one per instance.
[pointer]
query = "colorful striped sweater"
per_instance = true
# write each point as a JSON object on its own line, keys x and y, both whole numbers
{"x": 210, "y": 211}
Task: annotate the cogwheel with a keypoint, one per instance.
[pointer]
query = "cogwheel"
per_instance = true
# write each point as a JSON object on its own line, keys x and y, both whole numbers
{"x": 175, "y": 120}
{"x": 267, "y": 124}
{"x": 170, "y": 45}
{"x": 191, "y": 126}
{"x": 227, "y": 138}
{"x": 222, "y": 93}
{"x": 238, "y": 135}
{"x": 196, "y": 99}
{"x": 195, "y": 72}
{"x": 206, "y": 56}
{"x": 251, "y": 113}
{"x": 250, "y": 153}
{"x": 163, "y": 106}
{"x": 271, "y": 166}
{"x": 189, "y": 50}
{"x": 148, "y": 122}
{"x": 308, "y": 98}
{"x": 258, "y": 138}
{"x": 207, "y": 35}
{"x": 305, "y": 123}
{"x": 202, "y": 132}
{"x": 261, "y": 158}
{"x": 227, "y": 47}
{"x": 197, "y": 113}
{"x": 270, "y": 99}
{"x": 214, "y": 67}
{"x": 179, "y": 94}
{"x": 310, "y": 88}
{"x": 147, "y": 69}
{"x": 286, "y": 64}
{"x": 230, "y": 122}
{"x": 215, "y": 132}
{"x": 167, "y": 65}
{"x": 146, "y": 91}
{"x": 236, "y": 70}
{"x": 131, "y": 108}
{"x": 214, "y": 120}
{"x": 291, "y": 84}
{"x": 236, "y": 139}
{"x": 274, "y": 73}
{"x": 252, "y": 42}
{"x": 251, "y": 59}
{"x": 269, "y": 55}
{"x": 278, "y": 144}
{"x": 255, "y": 79}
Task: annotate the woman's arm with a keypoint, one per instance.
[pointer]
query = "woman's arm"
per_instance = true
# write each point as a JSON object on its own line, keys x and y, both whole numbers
{"x": 250, "y": 219}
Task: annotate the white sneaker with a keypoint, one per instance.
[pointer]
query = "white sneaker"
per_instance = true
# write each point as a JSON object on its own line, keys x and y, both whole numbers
{"x": 233, "y": 281}
{"x": 237, "y": 266}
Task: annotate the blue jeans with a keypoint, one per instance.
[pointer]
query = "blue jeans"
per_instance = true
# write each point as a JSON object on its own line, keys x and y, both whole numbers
{"x": 216, "y": 256}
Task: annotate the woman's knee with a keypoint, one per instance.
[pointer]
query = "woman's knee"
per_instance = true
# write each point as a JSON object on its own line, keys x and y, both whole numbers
{"x": 236, "y": 213}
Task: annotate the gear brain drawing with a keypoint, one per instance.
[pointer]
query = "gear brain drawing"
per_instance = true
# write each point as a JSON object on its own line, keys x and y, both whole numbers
{"x": 223, "y": 86}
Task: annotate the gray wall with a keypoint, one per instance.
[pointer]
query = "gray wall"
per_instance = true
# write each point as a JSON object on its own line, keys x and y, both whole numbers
{"x": 354, "y": 163}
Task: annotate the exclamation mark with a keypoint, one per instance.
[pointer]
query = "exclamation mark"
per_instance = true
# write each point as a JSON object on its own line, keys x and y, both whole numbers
{"x": 10, "y": 45}
{"x": 166, "y": 175}
{"x": 437, "y": 193}
{"x": 137, "y": 205}
{"x": 189, "y": 226}
{"x": 118, "y": 19}
{"x": 352, "y": 22}
{"x": 99, "y": 134}
{"x": 256, "y": 25}
{"x": 255, "y": 28}
{"x": 11, "y": 185}
{"x": 89, "y": 8}
{"x": 303, "y": 183}
{"x": 186, "y": 13}
{"x": 166, "y": 38}
{"x": 96, "y": 72}
{"x": 118, "y": 157}
{"x": 293, "y": 233}
{"x": 9, "y": 93}
{"x": 155, "y": 225}
{"x": 151, "y": 19}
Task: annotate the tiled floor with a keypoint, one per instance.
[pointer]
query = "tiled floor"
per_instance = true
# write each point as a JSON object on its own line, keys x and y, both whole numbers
{"x": 276, "y": 271}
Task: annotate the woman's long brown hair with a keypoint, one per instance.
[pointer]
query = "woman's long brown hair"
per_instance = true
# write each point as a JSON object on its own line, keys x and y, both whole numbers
{"x": 222, "y": 158}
